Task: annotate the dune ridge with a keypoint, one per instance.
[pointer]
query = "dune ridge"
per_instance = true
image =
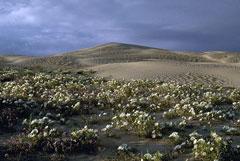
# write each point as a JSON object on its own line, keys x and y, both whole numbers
{"x": 127, "y": 61}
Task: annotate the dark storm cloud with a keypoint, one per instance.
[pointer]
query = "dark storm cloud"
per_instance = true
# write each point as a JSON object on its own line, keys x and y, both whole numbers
{"x": 52, "y": 26}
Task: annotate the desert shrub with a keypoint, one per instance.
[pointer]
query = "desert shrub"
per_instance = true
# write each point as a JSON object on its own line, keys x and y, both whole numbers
{"x": 127, "y": 153}
{"x": 175, "y": 137}
{"x": 140, "y": 122}
{"x": 53, "y": 141}
{"x": 214, "y": 148}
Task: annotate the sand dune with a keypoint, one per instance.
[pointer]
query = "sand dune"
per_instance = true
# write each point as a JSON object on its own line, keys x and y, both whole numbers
{"x": 214, "y": 73}
{"x": 125, "y": 61}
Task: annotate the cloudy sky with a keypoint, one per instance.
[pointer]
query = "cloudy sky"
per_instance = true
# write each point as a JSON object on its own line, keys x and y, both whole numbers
{"x": 43, "y": 27}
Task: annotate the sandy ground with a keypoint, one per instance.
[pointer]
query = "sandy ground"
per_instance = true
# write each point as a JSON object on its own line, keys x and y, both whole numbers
{"x": 16, "y": 59}
{"x": 182, "y": 72}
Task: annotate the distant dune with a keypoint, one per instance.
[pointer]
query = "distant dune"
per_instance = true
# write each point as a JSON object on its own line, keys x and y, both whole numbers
{"x": 126, "y": 61}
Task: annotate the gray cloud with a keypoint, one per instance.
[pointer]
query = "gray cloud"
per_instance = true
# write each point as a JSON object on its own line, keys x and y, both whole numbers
{"x": 52, "y": 26}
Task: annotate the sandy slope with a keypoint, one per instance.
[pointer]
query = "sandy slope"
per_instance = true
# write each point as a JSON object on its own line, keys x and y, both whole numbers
{"x": 183, "y": 72}
{"x": 16, "y": 59}
{"x": 126, "y": 61}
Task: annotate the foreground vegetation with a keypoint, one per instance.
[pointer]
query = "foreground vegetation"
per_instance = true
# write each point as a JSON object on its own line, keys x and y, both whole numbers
{"x": 59, "y": 115}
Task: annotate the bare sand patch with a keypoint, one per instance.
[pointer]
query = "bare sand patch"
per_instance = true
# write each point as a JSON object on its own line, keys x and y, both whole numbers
{"x": 16, "y": 59}
{"x": 182, "y": 72}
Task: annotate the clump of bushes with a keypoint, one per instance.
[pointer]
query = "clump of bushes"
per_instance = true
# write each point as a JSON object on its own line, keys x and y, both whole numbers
{"x": 140, "y": 122}
{"x": 53, "y": 141}
{"x": 215, "y": 148}
{"x": 126, "y": 153}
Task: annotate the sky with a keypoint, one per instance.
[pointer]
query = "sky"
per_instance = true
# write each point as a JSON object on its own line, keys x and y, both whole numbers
{"x": 43, "y": 27}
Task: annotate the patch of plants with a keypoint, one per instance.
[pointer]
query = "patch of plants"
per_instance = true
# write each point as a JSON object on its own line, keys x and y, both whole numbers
{"x": 53, "y": 141}
{"x": 139, "y": 122}
{"x": 215, "y": 148}
{"x": 46, "y": 101}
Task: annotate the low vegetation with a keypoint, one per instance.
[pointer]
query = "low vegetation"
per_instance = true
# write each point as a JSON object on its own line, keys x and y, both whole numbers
{"x": 58, "y": 114}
